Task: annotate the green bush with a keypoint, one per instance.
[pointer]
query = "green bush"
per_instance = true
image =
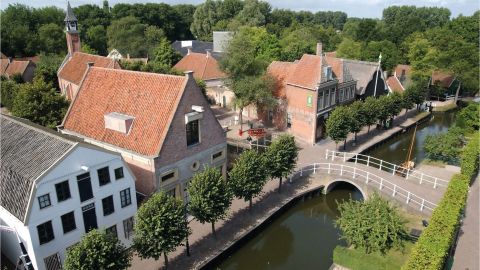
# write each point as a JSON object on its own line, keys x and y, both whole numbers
{"x": 431, "y": 250}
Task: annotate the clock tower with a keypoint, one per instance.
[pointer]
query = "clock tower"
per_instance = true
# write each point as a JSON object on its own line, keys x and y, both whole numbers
{"x": 71, "y": 30}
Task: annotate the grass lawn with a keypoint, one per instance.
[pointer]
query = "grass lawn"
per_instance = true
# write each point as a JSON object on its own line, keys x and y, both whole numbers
{"x": 358, "y": 260}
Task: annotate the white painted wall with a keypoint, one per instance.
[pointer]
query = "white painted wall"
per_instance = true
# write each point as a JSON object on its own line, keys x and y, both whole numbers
{"x": 68, "y": 169}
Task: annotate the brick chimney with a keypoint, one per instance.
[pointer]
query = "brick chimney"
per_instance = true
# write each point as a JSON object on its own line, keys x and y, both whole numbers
{"x": 319, "y": 48}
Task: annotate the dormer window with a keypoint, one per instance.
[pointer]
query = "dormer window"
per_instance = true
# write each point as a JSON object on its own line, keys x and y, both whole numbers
{"x": 328, "y": 73}
{"x": 119, "y": 122}
{"x": 192, "y": 125}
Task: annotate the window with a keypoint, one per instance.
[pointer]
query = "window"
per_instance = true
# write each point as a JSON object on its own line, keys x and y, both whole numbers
{"x": 334, "y": 92}
{"x": 118, "y": 173}
{"x": 107, "y": 204}
{"x": 171, "y": 192}
{"x": 327, "y": 98}
{"x": 68, "y": 222}
{"x": 103, "y": 176}
{"x": 112, "y": 230}
{"x": 84, "y": 187}
{"x": 125, "y": 198}
{"x": 45, "y": 232}
{"x": 168, "y": 176}
{"x": 342, "y": 94}
{"x": 63, "y": 191}
{"x": 44, "y": 201}
{"x": 193, "y": 135}
{"x": 289, "y": 120}
{"x": 218, "y": 155}
{"x": 128, "y": 227}
{"x": 320, "y": 100}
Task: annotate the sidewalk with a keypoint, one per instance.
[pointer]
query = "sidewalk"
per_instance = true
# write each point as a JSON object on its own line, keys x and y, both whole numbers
{"x": 467, "y": 251}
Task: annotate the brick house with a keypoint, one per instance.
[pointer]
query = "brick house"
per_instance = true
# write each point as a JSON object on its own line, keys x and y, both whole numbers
{"x": 75, "y": 64}
{"x": 9, "y": 67}
{"x": 161, "y": 124}
{"x": 400, "y": 79}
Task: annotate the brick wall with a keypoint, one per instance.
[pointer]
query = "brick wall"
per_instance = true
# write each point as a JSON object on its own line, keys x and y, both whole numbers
{"x": 303, "y": 117}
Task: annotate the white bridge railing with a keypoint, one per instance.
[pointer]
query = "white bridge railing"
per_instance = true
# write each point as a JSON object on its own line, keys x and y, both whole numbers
{"x": 362, "y": 176}
{"x": 386, "y": 166}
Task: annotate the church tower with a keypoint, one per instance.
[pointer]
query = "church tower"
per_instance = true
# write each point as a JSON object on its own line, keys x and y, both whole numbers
{"x": 73, "y": 37}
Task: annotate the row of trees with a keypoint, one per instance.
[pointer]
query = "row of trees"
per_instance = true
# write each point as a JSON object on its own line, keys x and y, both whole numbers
{"x": 352, "y": 118}
{"x": 161, "y": 224}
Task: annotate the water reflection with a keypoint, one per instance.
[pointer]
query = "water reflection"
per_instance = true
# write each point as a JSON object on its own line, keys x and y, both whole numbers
{"x": 302, "y": 238}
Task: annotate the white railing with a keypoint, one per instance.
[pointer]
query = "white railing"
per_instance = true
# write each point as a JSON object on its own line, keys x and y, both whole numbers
{"x": 386, "y": 166}
{"x": 364, "y": 177}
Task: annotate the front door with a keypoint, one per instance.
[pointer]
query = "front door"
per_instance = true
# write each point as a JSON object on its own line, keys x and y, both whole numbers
{"x": 89, "y": 217}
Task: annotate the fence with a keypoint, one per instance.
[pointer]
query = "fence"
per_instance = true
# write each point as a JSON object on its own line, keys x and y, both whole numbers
{"x": 386, "y": 166}
{"x": 368, "y": 178}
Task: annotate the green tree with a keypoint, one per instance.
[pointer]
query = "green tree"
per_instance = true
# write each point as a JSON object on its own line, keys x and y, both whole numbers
{"x": 338, "y": 125}
{"x": 372, "y": 225}
{"x": 358, "y": 117}
{"x": 349, "y": 49}
{"x": 248, "y": 176}
{"x": 204, "y": 19}
{"x": 51, "y": 38}
{"x": 445, "y": 146}
{"x": 47, "y": 68}
{"x": 416, "y": 92}
{"x": 254, "y": 13}
{"x": 9, "y": 90}
{"x": 389, "y": 51}
{"x": 384, "y": 109}
{"x": 127, "y": 35}
{"x": 210, "y": 197}
{"x": 395, "y": 104}
{"x": 97, "y": 39}
{"x": 40, "y": 103}
{"x": 97, "y": 250}
{"x": 160, "y": 226}
{"x": 468, "y": 118}
{"x": 297, "y": 42}
{"x": 370, "y": 110}
{"x": 281, "y": 158}
{"x": 165, "y": 54}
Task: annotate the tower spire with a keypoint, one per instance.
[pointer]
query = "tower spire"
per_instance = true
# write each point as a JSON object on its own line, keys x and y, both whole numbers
{"x": 71, "y": 29}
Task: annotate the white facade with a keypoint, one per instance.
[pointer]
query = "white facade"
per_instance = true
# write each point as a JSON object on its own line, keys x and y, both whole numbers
{"x": 79, "y": 160}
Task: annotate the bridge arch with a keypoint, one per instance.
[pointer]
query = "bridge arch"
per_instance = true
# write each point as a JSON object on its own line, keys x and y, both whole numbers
{"x": 332, "y": 184}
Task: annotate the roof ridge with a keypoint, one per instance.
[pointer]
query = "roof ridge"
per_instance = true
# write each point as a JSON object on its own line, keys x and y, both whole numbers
{"x": 138, "y": 72}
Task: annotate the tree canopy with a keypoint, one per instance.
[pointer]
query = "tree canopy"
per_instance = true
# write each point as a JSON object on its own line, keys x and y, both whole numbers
{"x": 281, "y": 157}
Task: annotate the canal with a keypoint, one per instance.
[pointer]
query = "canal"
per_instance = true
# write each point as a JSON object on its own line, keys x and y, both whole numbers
{"x": 304, "y": 236}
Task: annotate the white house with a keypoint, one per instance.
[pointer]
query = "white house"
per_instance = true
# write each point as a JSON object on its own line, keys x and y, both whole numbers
{"x": 53, "y": 189}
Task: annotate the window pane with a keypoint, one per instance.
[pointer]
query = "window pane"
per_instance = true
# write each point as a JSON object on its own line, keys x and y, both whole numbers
{"x": 128, "y": 227}
{"x": 68, "y": 222}
{"x": 45, "y": 232}
{"x": 125, "y": 198}
{"x": 118, "y": 173}
{"x": 192, "y": 133}
{"x": 84, "y": 187}
{"x": 44, "y": 201}
{"x": 112, "y": 230}
{"x": 103, "y": 176}
{"x": 108, "y": 206}
{"x": 63, "y": 191}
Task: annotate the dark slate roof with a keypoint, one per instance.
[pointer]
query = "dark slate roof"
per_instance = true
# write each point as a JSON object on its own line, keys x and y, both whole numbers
{"x": 69, "y": 16}
{"x": 27, "y": 151}
{"x": 197, "y": 46}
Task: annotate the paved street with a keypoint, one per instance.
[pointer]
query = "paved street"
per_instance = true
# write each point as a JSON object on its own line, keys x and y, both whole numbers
{"x": 467, "y": 252}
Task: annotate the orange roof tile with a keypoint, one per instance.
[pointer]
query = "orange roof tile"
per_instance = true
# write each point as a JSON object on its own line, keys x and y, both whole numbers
{"x": 331, "y": 54}
{"x": 337, "y": 67}
{"x": 150, "y": 98}
{"x": 280, "y": 71}
{"x": 9, "y": 68}
{"x": 75, "y": 67}
{"x": 445, "y": 79}
{"x": 394, "y": 84}
{"x": 402, "y": 68}
{"x": 4, "y": 62}
{"x": 204, "y": 66}
{"x": 308, "y": 72}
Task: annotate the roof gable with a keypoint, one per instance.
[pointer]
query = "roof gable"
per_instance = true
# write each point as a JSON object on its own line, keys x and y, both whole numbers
{"x": 280, "y": 71}
{"x": 444, "y": 79}
{"x": 394, "y": 84}
{"x": 308, "y": 72}
{"x": 150, "y": 98}
{"x": 75, "y": 67}
{"x": 204, "y": 66}
{"x": 27, "y": 152}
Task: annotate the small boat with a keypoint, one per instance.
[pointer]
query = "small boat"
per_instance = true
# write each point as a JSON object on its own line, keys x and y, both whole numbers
{"x": 408, "y": 164}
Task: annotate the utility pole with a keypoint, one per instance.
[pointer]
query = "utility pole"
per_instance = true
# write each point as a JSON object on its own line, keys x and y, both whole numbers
{"x": 376, "y": 75}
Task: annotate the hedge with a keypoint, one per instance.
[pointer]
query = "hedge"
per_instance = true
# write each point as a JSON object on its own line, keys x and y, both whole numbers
{"x": 431, "y": 250}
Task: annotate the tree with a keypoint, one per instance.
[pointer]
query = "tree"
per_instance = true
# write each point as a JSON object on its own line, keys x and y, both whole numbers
{"x": 40, "y": 103}
{"x": 445, "y": 146}
{"x": 370, "y": 110}
{"x": 160, "y": 226}
{"x": 254, "y": 13}
{"x": 349, "y": 49}
{"x": 51, "y": 39}
{"x": 47, "y": 68}
{"x": 210, "y": 197}
{"x": 165, "y": 54}
{"x": 281, "y": 158}
{"x": 416, "y": 92}
{"x": 468, "y": 118}
{"x": 296, "y": 43}
{"x": 97, "y": 250}
{"x": 372, "y": 225}
{"x": 127, "y": 35}
{"x": 204, "y": 18}
{"x": 395, "y": 104}
{"x": 357, "y": 116}
{"x": 9, "y": 90}
{"x": 389, "y": 51}
{"x": 248, "y": 176}
{"x": 97, "y": 39}
{"x": 338, "y": 125}
{"x": 384, "y": 109}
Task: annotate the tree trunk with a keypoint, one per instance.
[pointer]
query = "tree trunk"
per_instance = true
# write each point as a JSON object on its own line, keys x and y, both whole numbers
{"x": 213, "y": 230}
{"x": 345, "y": 145}
{"x": 166, "y": 259}
{"x": 355, "y": 137}
{"x": 187, "y": 246}
{"x": 279, "y": 184}
{"x": 240, "y": 118}
{"x": 250, "y": 204}
{"x": 368, "y": 132}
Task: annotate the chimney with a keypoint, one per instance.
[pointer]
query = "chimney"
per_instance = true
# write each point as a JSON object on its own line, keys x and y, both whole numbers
{"x": 209, "y": 52}
{"x": 189, "y": 50}
{"x": 189, "y": 74}
{"x": 319, "y": 48}
{"x": 90, "y": 64}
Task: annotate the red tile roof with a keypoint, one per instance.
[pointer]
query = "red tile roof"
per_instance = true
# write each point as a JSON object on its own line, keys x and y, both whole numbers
{"x": 308, "y": 72}
{"x": 337, "y": 67}
{"x": 75, "y": 67}
{"x": 394, "y": 84}
{"x": 204, "y": 66}
{"x": 3, "y": 65}
{"x": 9, "y": 68}
{"x": 280, "y": 71}
{"x": 150, "y": 98}
{"x": 443, "y": 78}
{"x": 400, "y": 68}
{"x": 331, "y": 54}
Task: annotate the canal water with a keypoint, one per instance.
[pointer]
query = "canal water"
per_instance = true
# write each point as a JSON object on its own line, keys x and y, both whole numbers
{"x": 304, "y": 236}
